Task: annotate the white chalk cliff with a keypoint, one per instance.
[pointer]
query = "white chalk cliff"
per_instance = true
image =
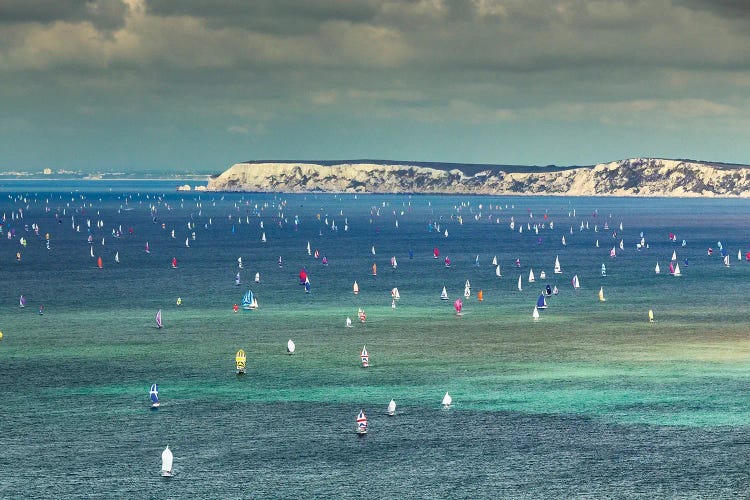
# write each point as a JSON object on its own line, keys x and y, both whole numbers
{"x": 632, "y": 177}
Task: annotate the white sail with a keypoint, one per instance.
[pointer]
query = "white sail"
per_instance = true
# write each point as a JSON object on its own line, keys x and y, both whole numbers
{"x": 535, "y": 314}
{"x": 391, "y": 407}
{"x": 520, "y": 289}
{"x": 494, "y": 261}
{"x": 674, "y": 255}
{"x": 290, "y": 346}
{"x": 677, "y": 270}
{"x": 558, "y": 269}
{"x": 497, "y": 271}
{"x": 656, "y": 269}
{"x": 531, "y": 275}
{"x": 447, "y": 400}
{"x": 444, "y": 294}
{"x": 166, "y": 462}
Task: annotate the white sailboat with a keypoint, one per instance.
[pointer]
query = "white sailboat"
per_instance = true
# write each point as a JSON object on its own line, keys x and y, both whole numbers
{"x": 348, "y": 322}
{"x": 558, "y": 269}
{"x": 355, "y": 288}
{"x": 531, "y": 275}
{"x": 535, "y": 314}
{"x": 726, "y": 260}
{"x": 290, "y": 346}
{"x": 391, "y": 408}
{"x": 497, "y": 272}
{"x": 444, "y": 294}
{"x": 520, "y": 288}
{"x": 576, "y": 284}
{"x": 447, "y": 400}
{"x": 656, "y": 269}
{"x": 677, "y": 270}
{"x": 494, "y": 261}
{"x": 166, "y": 462}
{"x": 117, "y": 256}
{"x": 257, "y": 277}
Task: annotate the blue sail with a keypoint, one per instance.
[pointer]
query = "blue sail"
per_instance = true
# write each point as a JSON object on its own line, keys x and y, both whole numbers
{"x": 247, "y": 299}
{"x": 154, "y": 393}
{"x": 541, "y": 303}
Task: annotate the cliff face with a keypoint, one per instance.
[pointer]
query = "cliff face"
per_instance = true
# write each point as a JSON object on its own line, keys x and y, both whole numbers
{"x": 633, "y": 177}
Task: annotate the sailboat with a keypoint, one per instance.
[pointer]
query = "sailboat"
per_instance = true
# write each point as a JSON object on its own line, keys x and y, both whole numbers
{"x": 158, "y": 319}
{"x": 154, "y": 395}
{"x": 117, "y": 257}
{"x": 239, "y": 262}
{"x": 395, "y": 295}
{"x": 249, "y": 301}
{"x": 535, "y": 314}
{"x": 480, "y": 295}
{"x": 558, "y": 269}
{"x": 166, "y": 462}
{"x": 447, "y": 262}
{"x": 361, "y": 423}
{"x": 308, "y": 249}
{"x": 650, "y": 316}
{"x": 237, "y": 279}
{"x": 263, "y": 237}
{"x": 604, "y": 269}
{"x": 147, "y": 250}
{"x": 348, "y": 322}
{"x": 240, "y": 361}
{"x": 444, "y": 294}
{"x": 22, "y": 301}
{"x": 494, "y": 261}
{"x": 391, "y": 408}
{"x": 726, "y": 260}
{"x": 174, "y": 262}
{"x": 531, "y": 275}
{"x": 497, "y": 272}
{"x": 458, "y": 305}
{"x": 290, "y": 346}
{"x": 656, "y": 269}
{"x": 601, "y": 294}
{"x": 365, "y": 357}
{"x": 257, "y": 277}
{"x": 355, "y": 288}
{"x": 447, "y": 400}
{"x": 374, "y": 269}
{"x": 674, "y": 255}
{"x": 99, "y": 262}
{"x": 576, "y": 284}
{"x": 520, "y": 288}
{"x": 677, "y": 270}
{"x": 541, "y": 302}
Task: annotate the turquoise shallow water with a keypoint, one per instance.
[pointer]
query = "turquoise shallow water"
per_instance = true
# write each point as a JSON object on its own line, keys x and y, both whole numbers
{"x": 590, "y": 401}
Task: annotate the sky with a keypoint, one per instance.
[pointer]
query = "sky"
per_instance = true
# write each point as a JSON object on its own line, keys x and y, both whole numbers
{"x": 196, "y": 86}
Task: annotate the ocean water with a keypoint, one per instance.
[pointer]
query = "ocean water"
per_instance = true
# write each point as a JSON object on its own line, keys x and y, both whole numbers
{"x": 591, "y": 401}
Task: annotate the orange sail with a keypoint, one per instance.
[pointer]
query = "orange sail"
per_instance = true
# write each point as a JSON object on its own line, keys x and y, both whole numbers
{"x": 99, "y": 262}
{"x": 480, "y": 296}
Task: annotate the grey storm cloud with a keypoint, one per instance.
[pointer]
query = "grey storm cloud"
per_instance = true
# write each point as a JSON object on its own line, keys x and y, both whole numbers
{"x": 249, "y": 66}
{"x": 104, "y": 14}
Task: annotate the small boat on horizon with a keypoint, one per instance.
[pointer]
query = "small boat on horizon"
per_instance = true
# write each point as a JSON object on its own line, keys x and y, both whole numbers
{"x": 290, "y": 347}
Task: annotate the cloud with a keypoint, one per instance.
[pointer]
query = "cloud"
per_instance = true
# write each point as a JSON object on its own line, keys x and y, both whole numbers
{"x": 102, "y": 14}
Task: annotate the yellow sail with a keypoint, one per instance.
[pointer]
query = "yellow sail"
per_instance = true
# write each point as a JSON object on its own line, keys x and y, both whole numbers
{"x": 601, "y": 294}
{"x": 650, "y": 316}
{"x": 374, "y": 269}
{"x": 240, "y": 359}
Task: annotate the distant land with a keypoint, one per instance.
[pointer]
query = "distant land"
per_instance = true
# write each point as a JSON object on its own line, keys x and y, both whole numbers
{"x": 630, "y": 177}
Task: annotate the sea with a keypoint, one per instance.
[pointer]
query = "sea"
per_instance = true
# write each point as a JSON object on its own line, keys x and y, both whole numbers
{"x": 592, "y": 400}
